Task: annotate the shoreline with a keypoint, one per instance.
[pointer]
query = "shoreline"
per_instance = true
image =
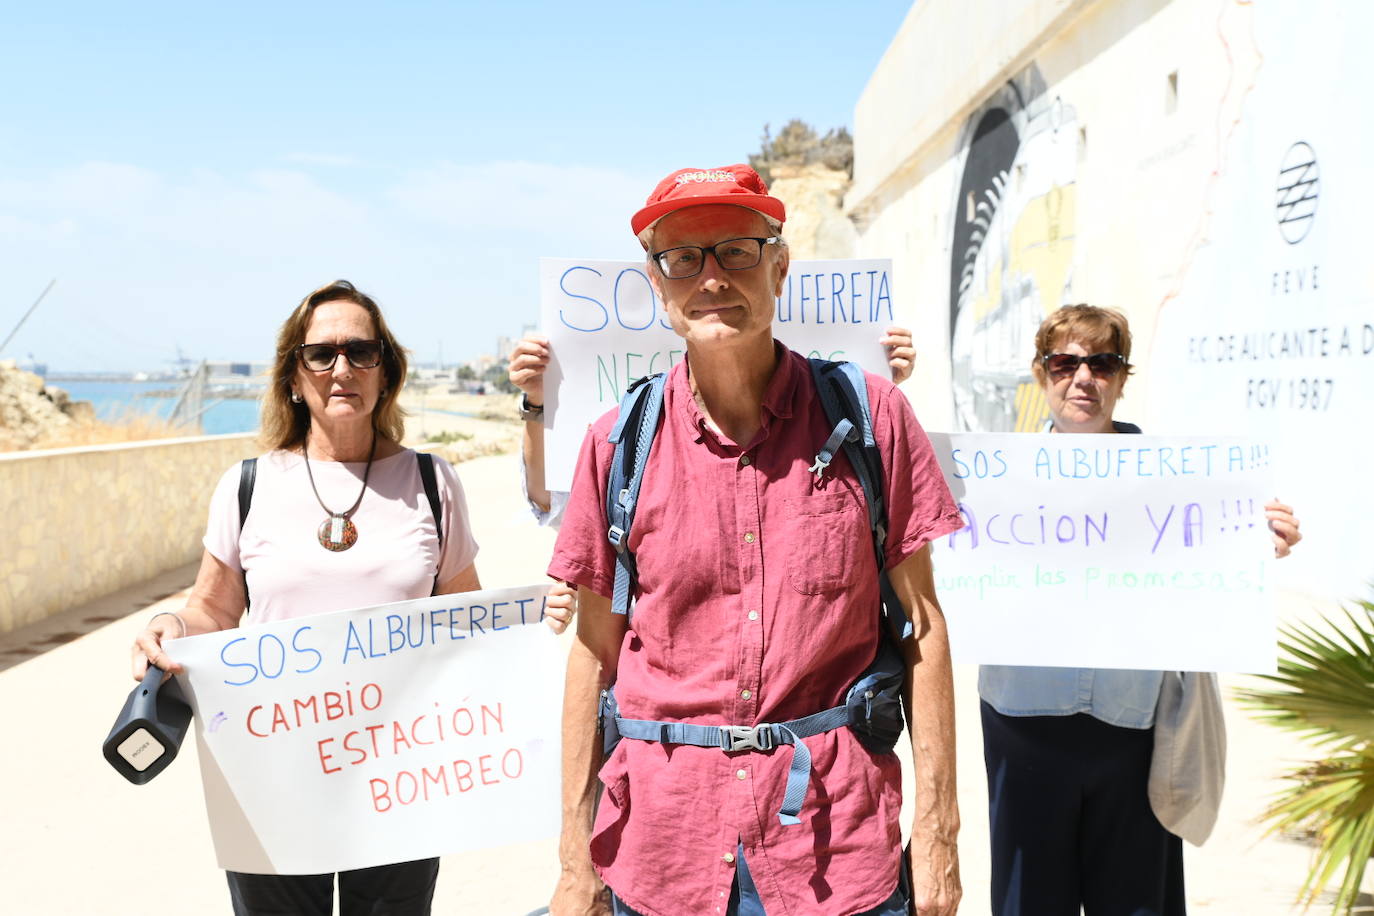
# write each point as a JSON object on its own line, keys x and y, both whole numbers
{"x": 461, "y": 427}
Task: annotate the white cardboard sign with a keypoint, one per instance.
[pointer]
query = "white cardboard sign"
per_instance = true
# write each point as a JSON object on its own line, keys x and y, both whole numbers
{"x": 1108, "y": 551}
{"x": 607, "y": 328}
{"x": 378, "y": 735}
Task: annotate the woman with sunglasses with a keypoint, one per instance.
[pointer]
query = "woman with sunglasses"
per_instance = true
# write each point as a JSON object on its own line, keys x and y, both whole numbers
{"x": 1068, "y": 749}
{"x": 339, "y": 518}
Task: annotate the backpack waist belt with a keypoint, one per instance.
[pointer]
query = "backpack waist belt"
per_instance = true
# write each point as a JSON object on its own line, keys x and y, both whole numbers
{"x": 763, "y": 737}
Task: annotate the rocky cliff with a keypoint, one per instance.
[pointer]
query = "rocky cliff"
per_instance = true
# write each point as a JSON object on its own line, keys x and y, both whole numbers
{"x": 814, "y": 196}
{"x": 31, "y": 412}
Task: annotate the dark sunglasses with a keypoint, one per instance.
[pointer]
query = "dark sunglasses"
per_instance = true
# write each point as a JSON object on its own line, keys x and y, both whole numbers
{"x": 361, "y": 354}
{"x": 1102, "y": 365}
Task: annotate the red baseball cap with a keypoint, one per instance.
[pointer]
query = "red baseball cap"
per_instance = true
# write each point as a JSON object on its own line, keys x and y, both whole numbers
{"x": 730, "y": 184}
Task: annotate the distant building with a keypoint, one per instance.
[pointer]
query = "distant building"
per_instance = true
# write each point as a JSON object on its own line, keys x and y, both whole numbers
{"x": 233, "y": 373}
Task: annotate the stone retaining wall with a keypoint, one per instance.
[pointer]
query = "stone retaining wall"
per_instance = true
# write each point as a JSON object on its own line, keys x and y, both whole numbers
{"x": 79, "y": 523}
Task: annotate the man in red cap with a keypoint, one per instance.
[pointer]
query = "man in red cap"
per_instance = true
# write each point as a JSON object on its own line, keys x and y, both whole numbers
{"x": 756, "y": 597}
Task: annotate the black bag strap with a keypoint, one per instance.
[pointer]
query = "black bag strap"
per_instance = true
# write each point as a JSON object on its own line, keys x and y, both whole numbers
{"x": 426, "y": 462}
{"x": 248, "y": 476}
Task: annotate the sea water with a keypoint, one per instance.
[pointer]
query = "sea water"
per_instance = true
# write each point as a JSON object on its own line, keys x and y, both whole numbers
{"x": 114, "y": 401}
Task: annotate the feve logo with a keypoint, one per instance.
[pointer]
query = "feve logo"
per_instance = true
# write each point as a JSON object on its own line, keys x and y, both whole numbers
{"x": 1298, "y": 185}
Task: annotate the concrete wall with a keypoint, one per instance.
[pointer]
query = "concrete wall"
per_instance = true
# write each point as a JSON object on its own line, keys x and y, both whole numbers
{"x": 1194, "y": 163}
{"x": 82, "y": 522}
{"x": 1087, "y": 83}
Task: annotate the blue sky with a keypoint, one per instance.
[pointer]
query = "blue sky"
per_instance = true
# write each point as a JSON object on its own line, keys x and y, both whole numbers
{"x": 188, "y": 172}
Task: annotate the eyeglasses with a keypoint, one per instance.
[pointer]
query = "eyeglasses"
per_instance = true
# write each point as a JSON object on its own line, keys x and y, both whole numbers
{"x": 361, "y": 354}
{"x": 1102, "y": 365}
{"x": 731, "y": 254}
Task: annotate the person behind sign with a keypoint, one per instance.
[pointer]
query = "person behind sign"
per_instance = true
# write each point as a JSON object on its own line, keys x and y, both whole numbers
{"x": 529, "y": 360}
{"x": 756, "y": 603}
{"x": 339, "y": 518}
{"x": 1068, "y": 749}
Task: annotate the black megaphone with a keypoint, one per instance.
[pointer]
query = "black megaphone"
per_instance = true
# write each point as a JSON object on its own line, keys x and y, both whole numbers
{"x": 150, "y": 728}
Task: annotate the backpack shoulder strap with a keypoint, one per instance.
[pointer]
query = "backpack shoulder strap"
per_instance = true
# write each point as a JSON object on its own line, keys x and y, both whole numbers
{"x": 426, "y": 462}
{"x": 844, "y": 397}
{"x": 633, "y": 436}
{"x": 843, "y": 392}
{"x": 248, "y": 476}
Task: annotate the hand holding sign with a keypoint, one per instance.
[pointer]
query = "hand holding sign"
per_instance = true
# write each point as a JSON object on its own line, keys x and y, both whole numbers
{"x": 528, "y": 361}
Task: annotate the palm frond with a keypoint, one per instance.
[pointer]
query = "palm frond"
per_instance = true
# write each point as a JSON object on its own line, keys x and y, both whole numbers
{"x": 1324, "y": 688}
{"x": 1324, "y": 691}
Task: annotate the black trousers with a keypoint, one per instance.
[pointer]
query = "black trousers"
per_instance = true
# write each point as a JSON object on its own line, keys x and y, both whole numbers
{"x": 1071, "y": 822}
{"x": 404, "y": 889}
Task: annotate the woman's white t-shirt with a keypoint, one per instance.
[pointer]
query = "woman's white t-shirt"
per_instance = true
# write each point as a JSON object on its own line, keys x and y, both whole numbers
{"x": 395, "y": 558}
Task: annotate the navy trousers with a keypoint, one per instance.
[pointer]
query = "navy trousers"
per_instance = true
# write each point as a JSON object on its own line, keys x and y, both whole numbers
{"x": 404, "y": 889}
{"x": 1071, "y": 822}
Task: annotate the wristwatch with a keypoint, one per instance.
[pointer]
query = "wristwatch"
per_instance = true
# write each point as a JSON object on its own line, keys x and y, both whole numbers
{"x": 530, "y": 411}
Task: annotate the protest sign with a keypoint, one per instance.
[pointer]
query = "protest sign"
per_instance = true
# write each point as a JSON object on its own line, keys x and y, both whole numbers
{"x": 1107, "y": 551}
{"x": 378, "y": 735}
{"x": 607, "y": 328}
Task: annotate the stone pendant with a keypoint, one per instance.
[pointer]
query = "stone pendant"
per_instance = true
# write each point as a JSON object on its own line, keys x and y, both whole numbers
{"x": 338, "y": 533}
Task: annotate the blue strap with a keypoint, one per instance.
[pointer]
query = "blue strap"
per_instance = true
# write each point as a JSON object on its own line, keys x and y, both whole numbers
{"x": 640, "y": 411}
{"x": 844, "y": 397}
{"x": 762, "y": 737}
{"x": 843, "y": 431}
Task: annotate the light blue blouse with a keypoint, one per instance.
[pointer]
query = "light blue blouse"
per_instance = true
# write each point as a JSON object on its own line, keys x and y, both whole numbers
{"x": 1115, "y": 696}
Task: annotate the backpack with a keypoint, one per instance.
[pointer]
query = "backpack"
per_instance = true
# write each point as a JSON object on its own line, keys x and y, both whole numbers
{"x": 873, "y": 706}
{"x": 248, "y": 475}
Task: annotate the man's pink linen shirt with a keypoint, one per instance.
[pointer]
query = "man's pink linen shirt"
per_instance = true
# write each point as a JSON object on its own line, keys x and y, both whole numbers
{"x": 395, "y": 559}
{"x": 758, "y": 603}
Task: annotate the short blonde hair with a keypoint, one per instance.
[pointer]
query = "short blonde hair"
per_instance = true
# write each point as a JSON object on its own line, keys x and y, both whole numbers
{"x": 1101, "y": 327}
{"x": 285, "y": 424}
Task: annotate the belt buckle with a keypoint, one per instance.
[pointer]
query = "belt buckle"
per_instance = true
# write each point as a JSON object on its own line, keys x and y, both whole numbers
{"x": 746, "y": 737}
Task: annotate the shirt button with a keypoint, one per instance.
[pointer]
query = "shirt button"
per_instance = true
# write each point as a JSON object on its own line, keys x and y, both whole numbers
{"x": 749, "y": 537}
{"x": 728, "y": 858}
{"x": 745, "y": 462}
{"x": 753, "y": 615}
{"x": 745, "y": 694}
{"x": 742, "y": 774}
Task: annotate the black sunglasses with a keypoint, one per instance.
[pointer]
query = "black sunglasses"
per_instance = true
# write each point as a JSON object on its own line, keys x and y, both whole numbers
{"x": 361, "y": 354}
{"x": 1102, "y": 365}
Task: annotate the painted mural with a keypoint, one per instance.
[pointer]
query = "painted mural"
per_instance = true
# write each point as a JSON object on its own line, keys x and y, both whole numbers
{"x": 1012, "y": 249}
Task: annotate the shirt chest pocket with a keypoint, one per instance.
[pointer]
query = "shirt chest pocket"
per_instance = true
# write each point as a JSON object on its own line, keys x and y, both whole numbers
{"x": 825, "y": 532}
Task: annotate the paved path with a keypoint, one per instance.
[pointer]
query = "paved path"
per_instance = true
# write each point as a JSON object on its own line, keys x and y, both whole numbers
{"x": 78, "y": 839}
